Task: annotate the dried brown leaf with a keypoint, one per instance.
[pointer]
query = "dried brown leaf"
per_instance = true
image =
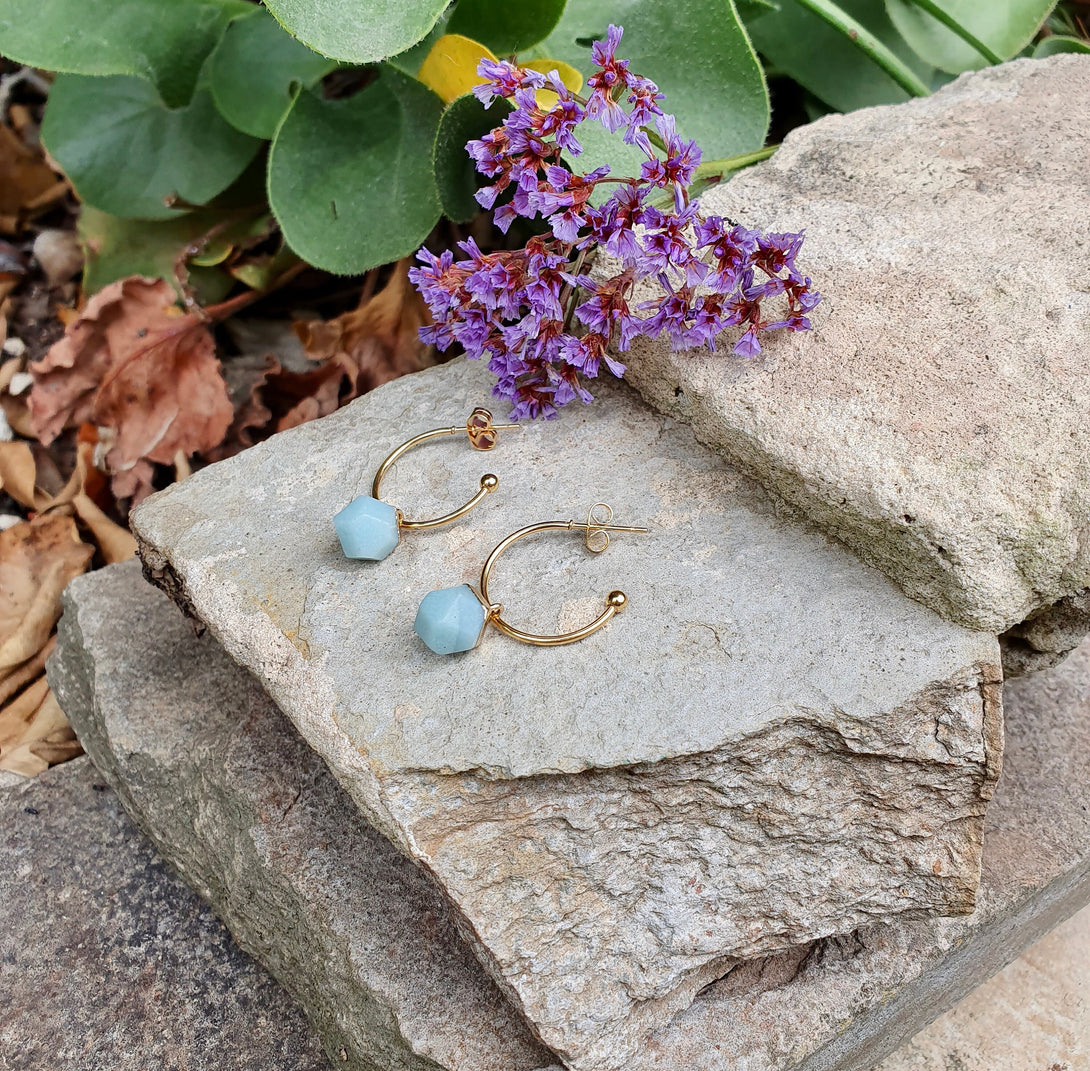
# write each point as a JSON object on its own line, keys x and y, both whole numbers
{"x": 13, "y": 681}
{"x": 27, "y": 183}
{"x": 17, "y": 715}
{"x": 376, "y": 342}
{"x": 18, "y": 473}
{"x": 47, "y": 739}
{"x": 37, "y": 559}
{"x": 135, "y": 365}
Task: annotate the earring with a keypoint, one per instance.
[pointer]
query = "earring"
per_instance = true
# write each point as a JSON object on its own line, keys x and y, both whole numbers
{"x": 454, "y": 619}
{"x": 369, "y": 528}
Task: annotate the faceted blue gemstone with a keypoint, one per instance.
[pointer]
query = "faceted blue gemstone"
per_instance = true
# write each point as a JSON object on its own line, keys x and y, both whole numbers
{"x": 450, "y": 620}
{"x": 367, "y": 528}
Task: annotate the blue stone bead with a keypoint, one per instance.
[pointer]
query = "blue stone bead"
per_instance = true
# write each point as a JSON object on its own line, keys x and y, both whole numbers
{"x": 450, "y": 620}
{"x": 367, "y": 528}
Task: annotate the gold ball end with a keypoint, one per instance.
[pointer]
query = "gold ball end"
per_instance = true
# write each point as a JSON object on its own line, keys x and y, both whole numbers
{"x": 489, "y": 482}
{"x": 617, "y": 599}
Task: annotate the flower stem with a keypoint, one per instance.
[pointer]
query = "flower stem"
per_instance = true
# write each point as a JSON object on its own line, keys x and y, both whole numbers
{"x": 866, "y": 42}
{"x": 709, "y": 169}
{"x": 951, "y": 23}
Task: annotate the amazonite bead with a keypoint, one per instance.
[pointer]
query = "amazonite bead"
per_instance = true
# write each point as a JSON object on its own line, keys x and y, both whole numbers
{"x": 367, "y": 528}
{"x": 450, "y": 620}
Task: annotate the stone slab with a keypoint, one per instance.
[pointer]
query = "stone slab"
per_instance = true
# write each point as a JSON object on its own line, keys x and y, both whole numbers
{"x": 1034, "y": 1014}
{"x": 936, "y": 418}
{"x": 617, "y": 820}
{"x": 241, "y": 805}
{"x": 107, "y": 960}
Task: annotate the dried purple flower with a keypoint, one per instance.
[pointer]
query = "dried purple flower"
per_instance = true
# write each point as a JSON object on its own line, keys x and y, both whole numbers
{"x": 518, "y": 308}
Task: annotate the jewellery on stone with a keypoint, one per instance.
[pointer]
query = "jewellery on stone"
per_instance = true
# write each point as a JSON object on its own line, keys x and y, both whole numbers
{"x": 370, "y": 529}
{"x": 454, "y": 619}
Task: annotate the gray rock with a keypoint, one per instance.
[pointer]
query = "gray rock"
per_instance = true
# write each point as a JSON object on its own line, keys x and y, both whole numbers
{"x": 107, "y": 961}
{"x": 1047, "y": 636}
{"x": 617, "y": 820}
{"x": 935, "y": 419}
{"x": 240, "y": 804}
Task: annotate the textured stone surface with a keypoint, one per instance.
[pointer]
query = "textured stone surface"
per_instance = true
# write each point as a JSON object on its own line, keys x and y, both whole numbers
{"x": 936, "y": 418}
{"x": 1034, "y": 1014}
{"x": 617, "y": 819}
{"x": 108, "y": 962}
{"x": 1046, "y": 637}
{"x": 242, "y": 806}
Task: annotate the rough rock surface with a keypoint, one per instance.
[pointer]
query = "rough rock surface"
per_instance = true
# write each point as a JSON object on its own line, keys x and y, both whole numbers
{"x": 1047, "y": 636}
{"x": 107, "y": 962}
{"x": 1034, "y": 1014}
{"x": 618, "y": 819}
{"x": 239, "y": 803}
{"x": 936, "y": 418}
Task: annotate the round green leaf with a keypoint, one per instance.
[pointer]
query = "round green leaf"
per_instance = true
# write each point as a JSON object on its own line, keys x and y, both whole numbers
{"x": 697, "y": 52}
{"x": 797, "y": 42}
{"x": 126, "y": 152}
{"x": 455, "y": 175}
{"x": 357, "y": 31}
{"x": 1005, "y": 26}
{"x": 1058, "y": 43}
{"x": 165, "y": 41}
{"x": 505, "y": 26}
{"x": 253, "y": 69}
{"x": 351, "y": 181}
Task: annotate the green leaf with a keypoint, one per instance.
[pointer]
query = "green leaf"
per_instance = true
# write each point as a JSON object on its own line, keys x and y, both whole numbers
{"x": 165, "y": 41}
{"x": 127, "y": 153}
{"x": 697, "y": 52}
{"x": 827, "y": 62}
{"x": 253, "y": 69}
{"x": 1057, "y": 43}
{"x": 351, "y": 181}
{"x": 409, "y": 61}
{"x": 455, "y": 174}
{"x": 115, "y": 248}
{"x": 506, "y": 26}
{"x": 748, "y": 10}
{"x": 1005, "y": 26}
{"x": 357, "y": 31}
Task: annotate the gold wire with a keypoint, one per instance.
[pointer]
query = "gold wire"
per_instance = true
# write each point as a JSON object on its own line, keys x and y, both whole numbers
{"x": 615, "y": 600}
{"x": 489, "y": 482}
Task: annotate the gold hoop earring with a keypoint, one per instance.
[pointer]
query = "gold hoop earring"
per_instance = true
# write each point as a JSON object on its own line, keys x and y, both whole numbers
{"x": 370, "y": 529}
{"x": 454, "y": 619}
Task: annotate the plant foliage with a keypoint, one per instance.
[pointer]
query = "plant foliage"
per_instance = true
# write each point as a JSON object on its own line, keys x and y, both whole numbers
{"x": 361, "y": 108}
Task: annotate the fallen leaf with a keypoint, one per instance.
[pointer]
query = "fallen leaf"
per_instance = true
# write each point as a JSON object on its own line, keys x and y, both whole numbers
{"x": 27, "y": 183}
{"x": 141, "y": 370}
{"x": 37, "y": 559}
{"x": 18, "y": 473}
{"x": 376, "y": 342}
{"x": 271, "y": 398}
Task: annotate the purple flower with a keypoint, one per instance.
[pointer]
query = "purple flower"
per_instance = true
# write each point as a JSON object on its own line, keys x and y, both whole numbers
{"x": 543, "y": 323}
{"x": 504, "y": 80}
{"x": 777, "y": 251}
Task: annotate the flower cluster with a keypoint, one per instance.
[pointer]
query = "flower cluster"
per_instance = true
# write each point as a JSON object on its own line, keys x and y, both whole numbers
{"x": 519, "y": 307}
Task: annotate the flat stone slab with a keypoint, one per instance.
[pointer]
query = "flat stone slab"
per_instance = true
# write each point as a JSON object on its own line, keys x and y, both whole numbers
{"x": 936, "y": 418}
{"x": 615, "y": 821}
{"x": 243, "y": 807}
{"x": 107, "y": 960}
{"x": 1034, "y": 1014}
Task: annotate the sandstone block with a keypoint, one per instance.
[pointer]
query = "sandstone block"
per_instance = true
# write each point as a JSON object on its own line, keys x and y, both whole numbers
{"x": 107, "y": 961}
{"x": 936, "y": 418}
{"x": 243, "y": 807}
{"x": 769, "y": 745}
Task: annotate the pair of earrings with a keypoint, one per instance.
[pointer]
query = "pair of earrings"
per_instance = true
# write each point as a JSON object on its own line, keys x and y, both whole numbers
{"x": 454, "y": 619}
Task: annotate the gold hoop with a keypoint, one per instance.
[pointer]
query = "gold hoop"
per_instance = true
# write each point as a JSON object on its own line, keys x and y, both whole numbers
{"x": 596, "y": 525}
{"x": 481, "y": 432}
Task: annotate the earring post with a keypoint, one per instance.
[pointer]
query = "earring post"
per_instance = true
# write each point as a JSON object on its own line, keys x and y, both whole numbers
{"x": 606, "y": 527}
